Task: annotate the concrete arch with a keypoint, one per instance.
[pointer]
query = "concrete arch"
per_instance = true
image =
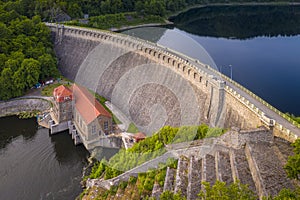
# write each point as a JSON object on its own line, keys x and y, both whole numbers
{"x": 133, "y": 45}
{"x": 77, "y": 32}
{"x": 139, "y": 47}
{"x": 195, "y": 75}
{"x": 174, "y": 63}
{"x": 84, "y": 33}
{"x": 183, "y": 68}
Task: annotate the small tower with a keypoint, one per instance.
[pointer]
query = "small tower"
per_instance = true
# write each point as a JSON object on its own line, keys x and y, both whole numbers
{"x": 62, "y": 104}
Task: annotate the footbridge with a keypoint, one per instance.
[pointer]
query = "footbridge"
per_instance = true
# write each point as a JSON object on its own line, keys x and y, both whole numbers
{"x": 156, "y": 86}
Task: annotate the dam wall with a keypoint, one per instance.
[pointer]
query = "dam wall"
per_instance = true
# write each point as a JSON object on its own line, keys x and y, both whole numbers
{"x": 155, "y": 86}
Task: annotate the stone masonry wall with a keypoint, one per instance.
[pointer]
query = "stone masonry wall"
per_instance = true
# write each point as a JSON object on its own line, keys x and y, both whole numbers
{"x": 83, "y": 55}
{"x": 17, "y": 106}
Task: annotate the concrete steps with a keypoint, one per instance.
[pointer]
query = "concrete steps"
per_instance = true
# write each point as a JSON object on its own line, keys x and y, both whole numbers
{"x": 282, "y": 149}
{"x": 169, "y": 180}
{"x": 194, "y": 178}
{"x": 181, "y": 180}
{"x": 223, "y": 167}
{"x": 209, "y": 169}
{"x": 119, "y": 194}
{"x": 266, "y": 169}
{"x": 157, "y": 190}
{"x": 241, "y": 169}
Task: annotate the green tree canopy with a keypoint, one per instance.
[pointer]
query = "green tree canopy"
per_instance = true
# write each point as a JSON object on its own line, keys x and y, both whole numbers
{"x": 26, "y": 50}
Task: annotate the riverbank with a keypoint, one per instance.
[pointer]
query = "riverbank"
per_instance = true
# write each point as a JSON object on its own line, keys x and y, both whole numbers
{"x": 26, "y": 104}
{"x": 232, "y": 4}
{"x": 123, "y": 28}
{"x": 125, "y": 21}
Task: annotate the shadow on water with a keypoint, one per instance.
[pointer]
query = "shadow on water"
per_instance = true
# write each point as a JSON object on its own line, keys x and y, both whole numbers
{"x": 65, "y": 150}
{"x": 10, "y": 130}
{"x": 240, "y": 22}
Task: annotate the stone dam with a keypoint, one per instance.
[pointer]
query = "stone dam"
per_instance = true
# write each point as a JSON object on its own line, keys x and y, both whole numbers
{"x": 155, "y": 86}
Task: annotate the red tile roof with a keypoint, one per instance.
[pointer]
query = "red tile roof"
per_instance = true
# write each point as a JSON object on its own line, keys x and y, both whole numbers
{"x": 86, "y": 104}
{"x": 139, "y": 136}
{"x": 61, "y": 93}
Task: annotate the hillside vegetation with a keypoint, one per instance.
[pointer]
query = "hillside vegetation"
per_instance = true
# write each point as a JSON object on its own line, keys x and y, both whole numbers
{"x": 26, "y": 51}
{"x": 150, "y": 148}
{"x": 76, "y": 8}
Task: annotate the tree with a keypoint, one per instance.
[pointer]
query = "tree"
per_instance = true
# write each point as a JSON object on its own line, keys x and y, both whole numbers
{"x": 48, "y": 66}
{"x": 287, "y": 194}
{"x": 293, "y": 164}
{"x": 6, "y": 83}
{"x": 31, "y": 69}
{"x": 19, "y": 82}
{"x": 227, "y": 192}
{"x": 168, "y": 195}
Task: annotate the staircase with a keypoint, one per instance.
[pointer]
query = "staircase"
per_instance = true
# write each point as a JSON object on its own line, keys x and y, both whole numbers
{"x": 257, "y": 164}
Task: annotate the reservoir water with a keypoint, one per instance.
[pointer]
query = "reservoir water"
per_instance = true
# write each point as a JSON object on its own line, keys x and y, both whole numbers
{"x": 259, "y": 46}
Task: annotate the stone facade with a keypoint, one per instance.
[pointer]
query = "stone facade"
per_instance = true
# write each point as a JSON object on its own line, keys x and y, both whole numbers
{"x": 99, "y": 127}
{"x": 63, "y": 110}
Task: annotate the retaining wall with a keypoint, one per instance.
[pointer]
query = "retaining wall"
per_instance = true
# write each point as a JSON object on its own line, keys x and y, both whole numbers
{"x": 16, "y": 106}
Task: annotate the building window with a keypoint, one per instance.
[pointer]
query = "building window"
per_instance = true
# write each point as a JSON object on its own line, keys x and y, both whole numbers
{"x": 106, "y": 125}
{"x": 93, "y": 129}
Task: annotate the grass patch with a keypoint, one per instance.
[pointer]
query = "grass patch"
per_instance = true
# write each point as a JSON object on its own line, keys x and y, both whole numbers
{"x": 116, "y": 120}
{"x": 29, "y": 114}
{"x": 132, "y": 128}
{"x": 293, "y": 117}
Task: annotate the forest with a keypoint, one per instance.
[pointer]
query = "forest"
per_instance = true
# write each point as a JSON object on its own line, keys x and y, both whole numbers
{"x": 241, "y": 22}
{"x": 26, "y": 51}
{"x": 49, "y": 9}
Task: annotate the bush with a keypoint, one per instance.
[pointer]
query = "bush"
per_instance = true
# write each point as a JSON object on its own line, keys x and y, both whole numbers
{"x": 222, "y": 191}
{"x": 154, "y": 146}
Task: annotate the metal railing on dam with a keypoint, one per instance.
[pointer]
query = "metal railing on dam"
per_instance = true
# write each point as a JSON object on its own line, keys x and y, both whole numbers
{"x": 191, "y": 68}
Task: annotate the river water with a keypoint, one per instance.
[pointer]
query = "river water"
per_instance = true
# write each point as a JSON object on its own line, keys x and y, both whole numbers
{"x": 34, "y": 165}
{"x": 258, "y": 46}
